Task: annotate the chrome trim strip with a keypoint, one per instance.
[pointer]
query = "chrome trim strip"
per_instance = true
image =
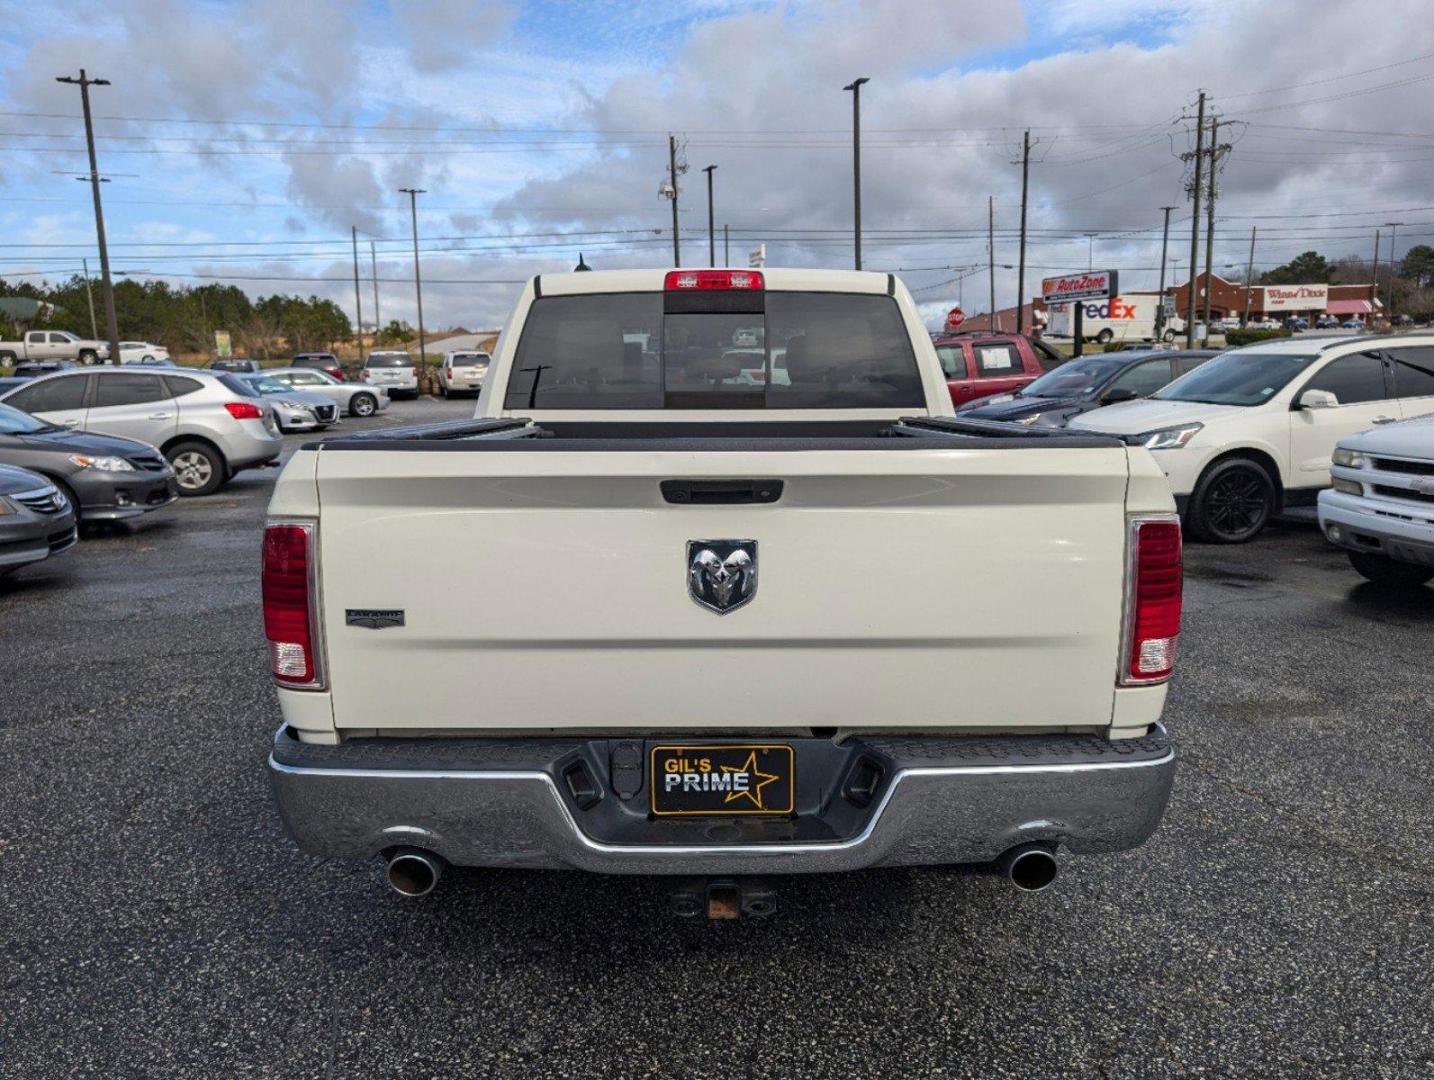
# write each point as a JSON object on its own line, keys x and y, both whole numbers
{"x": 773, "y": 849}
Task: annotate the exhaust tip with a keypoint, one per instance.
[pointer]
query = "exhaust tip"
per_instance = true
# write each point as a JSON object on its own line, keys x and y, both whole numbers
{"x": 414, "y": 873}
{"x": 1030, "y": 867}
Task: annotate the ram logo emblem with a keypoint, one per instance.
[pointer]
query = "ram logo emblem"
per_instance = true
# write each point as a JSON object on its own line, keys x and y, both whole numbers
{"x": 722, "y": 574}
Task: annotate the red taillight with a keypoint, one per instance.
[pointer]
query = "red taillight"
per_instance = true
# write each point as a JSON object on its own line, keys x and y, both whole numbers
{"x": 242, "y": 410}
{"x": 288, "y": 604}
{"x": 714, "y": 279}
{"x": 1154, "y": 600}
{"x": 337, "y": 373}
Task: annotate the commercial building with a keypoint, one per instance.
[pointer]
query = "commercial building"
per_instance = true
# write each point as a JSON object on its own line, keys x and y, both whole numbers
{"x": 1227, "y": 300}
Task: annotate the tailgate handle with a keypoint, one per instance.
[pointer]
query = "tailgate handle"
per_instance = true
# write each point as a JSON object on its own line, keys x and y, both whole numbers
{"x": 720, "y": 492}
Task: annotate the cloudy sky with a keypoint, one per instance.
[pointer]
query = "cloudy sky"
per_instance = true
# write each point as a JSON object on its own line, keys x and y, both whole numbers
{"x": 243, "y": 139}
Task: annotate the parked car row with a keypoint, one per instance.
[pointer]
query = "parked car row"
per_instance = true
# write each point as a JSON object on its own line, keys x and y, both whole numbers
{"x": 107, "y": 443}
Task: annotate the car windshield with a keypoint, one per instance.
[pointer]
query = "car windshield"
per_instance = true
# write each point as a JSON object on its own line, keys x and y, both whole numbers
{"x": 390, "y": 360}
{"x": 323, "y": 376}
{"x": 15, "y": 422}
{"x": 265, "y": 385}
{"x": 1075, "y": 378}
{"x": 1237, "y": 378}
{"x": 468, "y": 360}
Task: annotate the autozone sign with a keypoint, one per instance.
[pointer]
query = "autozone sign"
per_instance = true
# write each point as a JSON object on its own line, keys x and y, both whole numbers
{"x": 1092, "y": 285}
{"x": 1296, "y": 297}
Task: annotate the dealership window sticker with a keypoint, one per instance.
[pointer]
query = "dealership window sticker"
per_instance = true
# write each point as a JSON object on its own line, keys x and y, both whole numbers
{"x": 996, "y": 358}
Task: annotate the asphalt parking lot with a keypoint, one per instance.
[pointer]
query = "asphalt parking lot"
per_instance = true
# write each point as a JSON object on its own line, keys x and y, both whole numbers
{"x": 154, "y": 919}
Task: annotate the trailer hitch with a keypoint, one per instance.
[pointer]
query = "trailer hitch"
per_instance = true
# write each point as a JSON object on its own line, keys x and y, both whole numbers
{"x": 723, "y": 898}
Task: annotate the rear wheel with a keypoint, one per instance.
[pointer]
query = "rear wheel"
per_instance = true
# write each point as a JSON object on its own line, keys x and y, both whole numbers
{"x": 198, "y": 467}
{"x": 363, "y": 405}
{"x": 1232, "y": 503}
{"x": 1106, "y": 336}
{"x": 1382, "y": 570}
{"x": 1169, "y": 336}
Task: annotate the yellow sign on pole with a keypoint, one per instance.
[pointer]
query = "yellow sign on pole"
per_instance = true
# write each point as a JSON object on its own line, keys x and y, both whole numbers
{"x": 222, "y": 345}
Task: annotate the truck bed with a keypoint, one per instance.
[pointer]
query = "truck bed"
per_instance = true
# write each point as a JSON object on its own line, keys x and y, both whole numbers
{"x": 946, "y": 582}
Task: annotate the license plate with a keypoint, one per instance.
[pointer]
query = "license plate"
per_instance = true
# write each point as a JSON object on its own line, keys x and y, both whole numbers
{"x": 720, "y": 780}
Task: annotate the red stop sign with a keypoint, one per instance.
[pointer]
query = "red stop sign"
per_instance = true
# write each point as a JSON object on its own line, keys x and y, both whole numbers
{"x": 954, "y": 318}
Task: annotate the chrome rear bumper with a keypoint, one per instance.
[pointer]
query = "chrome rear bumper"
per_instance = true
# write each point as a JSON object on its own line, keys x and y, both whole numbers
{"x": 944, "y": 801}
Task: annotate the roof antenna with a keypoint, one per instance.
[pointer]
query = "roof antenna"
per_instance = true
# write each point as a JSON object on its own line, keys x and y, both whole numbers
{"x": 581, "y": 266}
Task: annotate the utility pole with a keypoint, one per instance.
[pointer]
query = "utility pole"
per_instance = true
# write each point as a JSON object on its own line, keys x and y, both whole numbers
{"x": 711, "y": 230}
{"x": 1210, "y": 221}
{"x": 1249, "y": 279}
{"x": 1090, "y": 251}
{"x": 1164, "y": 245}
{"x": 1195, "y": 223}
{"x": 1393, "y": 296}
{"x": 1021, "y": 270}
{"x": 373, "y": 269}
{"x": 672, "y": 179}
{"x": 90, "y": 296}
{"x": 413, "y": 194}
{"x": 991, "y": 252}
{"x": 1374, "y": 292}
{"x": 726, "y": 248}
{"x": 855, "y": 87}
{"x": 358, "y": 297}
{"x": 84, "y": 82}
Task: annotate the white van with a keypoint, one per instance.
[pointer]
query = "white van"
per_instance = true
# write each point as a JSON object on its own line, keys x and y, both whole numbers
{"x": 1130, "y": 317}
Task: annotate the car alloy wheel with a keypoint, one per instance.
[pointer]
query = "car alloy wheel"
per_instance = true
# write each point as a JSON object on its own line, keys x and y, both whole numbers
{"x": 364, "y": 405}
{"x": 1236, "y": 504}
{"x": 192, "y": 470}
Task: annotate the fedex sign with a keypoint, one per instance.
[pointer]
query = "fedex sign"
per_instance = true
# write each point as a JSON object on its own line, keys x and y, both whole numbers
{"x": 1115, "y": 309}
{"x": 1092, "y": 285}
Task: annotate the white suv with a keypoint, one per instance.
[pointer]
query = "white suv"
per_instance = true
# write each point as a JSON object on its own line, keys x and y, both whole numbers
{"x": 1253, "y": 430}
{"x": 394, "y": 371}
{"x": 463, "y": 372}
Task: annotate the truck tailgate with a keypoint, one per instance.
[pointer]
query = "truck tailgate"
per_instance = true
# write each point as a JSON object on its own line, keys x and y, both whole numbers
{"x": 916, "y": 588}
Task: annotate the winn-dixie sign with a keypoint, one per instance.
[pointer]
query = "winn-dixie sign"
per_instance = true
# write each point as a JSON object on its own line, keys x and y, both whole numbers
{"x": 1296, "y": 297}
{"x": 1095, "y": 285}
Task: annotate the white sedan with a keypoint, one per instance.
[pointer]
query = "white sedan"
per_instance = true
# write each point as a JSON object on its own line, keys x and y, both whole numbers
{"x": 142, "y": 352}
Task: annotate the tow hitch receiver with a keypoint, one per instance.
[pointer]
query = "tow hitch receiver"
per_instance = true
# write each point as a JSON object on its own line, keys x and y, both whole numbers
{"x": 723, "y": 898}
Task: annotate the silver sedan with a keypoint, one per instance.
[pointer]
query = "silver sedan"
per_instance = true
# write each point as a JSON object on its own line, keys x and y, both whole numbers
{"x": 295, "y": 409}
{"x": 355, "y": 399}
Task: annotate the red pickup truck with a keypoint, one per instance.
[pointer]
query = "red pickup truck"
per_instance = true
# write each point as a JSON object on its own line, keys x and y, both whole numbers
{"x": 981, "y": 363}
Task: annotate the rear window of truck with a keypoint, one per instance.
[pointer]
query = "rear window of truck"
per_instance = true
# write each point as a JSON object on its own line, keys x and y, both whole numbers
{"x": 774, "y": 350}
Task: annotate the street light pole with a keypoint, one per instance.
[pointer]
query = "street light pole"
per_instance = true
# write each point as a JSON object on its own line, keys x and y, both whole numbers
{"x": 672, "y": 178}
{"x": 711, "y": 228}
{"x": 373, "y": 268}
{"x": 84, "y": 82}
{"x": 1393, "y": 228}
{"x": 413, "y": 194}
{"x": 1090, "y": 251}
{"x": 358, "y": 296}
{"x": 1164, "y": 246}
{"x": 855, "y": 87}
{"x": 90, "y": 296}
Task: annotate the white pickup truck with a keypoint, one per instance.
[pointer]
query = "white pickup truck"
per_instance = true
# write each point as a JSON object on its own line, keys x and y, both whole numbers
{"x": 53, "y": 345}
{"x": 715, "y": 584}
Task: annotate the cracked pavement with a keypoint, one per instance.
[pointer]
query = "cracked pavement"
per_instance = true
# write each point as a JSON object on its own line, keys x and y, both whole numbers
{"x": 155, "y": 921}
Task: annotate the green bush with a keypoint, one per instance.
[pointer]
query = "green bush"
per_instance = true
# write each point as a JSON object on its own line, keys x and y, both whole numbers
{"x": 1236, "y": 338}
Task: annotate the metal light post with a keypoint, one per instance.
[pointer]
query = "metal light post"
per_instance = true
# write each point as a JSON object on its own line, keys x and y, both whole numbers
{"x": 373, "y": 269}
{"x": 84, "y": 82}
{"x": 1164, "y": 246}
{"x": 90, "y": 296}
{"x": 413, "y": 194}
{"x": 1393, "y": 227}
{"x": 855, "y": 87}
{"x": 358, "y": 297}
{"x": 711, "y": 228}
{"x": 1090, "y": 251}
